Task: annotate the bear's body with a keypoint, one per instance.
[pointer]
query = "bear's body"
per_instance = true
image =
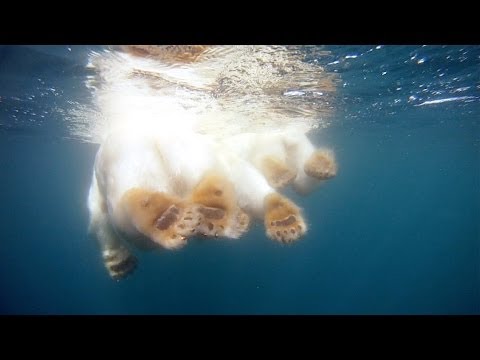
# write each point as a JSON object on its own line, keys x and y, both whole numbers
{"x": 162, "y": 182}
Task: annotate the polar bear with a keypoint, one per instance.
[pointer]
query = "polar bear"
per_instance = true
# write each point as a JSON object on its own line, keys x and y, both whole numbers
{"x": 152, "y": 188}
{"x": 160, "y": 183}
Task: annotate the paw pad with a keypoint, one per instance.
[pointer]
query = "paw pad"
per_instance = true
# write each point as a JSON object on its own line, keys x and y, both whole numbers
{"x": 283, "y": 220}
{"x": 168, "y": 218}
{"x": 321, "y": 165}
{"x": 212, "y": 213}
{"x": 286, "y": 230}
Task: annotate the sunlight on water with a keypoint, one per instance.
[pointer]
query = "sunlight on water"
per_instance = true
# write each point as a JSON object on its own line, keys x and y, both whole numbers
{"x": 227, "y": 89}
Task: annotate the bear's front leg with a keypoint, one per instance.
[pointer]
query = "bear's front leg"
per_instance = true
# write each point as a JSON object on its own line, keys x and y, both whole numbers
{"x": 321, "y": 165}
{"x": 282, "y": 218}
{"x": 313, "y": 165}
{"x": 276, "y": 171}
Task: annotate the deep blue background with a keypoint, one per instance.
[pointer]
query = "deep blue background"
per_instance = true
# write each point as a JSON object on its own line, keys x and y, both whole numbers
{"x": 396, "y": 232}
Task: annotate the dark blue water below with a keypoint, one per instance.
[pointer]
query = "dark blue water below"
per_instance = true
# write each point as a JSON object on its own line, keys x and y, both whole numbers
{"x": 396, "y": 232}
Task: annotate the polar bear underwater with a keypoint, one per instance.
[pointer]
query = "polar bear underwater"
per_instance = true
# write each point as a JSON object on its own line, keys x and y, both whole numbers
{"x": 198, "y": 141}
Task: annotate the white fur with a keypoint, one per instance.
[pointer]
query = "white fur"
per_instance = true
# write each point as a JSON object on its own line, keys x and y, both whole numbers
{"x": 166, "y": 138}
{"x": 291, "y": 147}
{"x": 172, "y": 163}
{"x": 250, "y": 185}
{"x": 99, "y": 220}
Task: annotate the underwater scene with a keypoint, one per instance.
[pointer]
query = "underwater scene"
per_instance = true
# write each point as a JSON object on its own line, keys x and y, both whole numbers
{"x": 238, "y": 180}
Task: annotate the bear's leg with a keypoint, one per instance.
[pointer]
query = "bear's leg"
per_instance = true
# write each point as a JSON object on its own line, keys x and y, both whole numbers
{"x": 321, "y": 165}
{"x": 276, "y": 172}
{"x": 217, "y": 201}
{"x": 268, "y": 154}
{"x": 165, "y": 219}
{"x": 283, "y": 219}
{"x": 118, "y": 260}
{"x": 312, "y": 165}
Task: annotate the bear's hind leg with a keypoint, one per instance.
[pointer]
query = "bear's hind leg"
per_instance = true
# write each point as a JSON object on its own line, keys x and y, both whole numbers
{"x": 118, "y": 260}
{"x": 217, "y": 201}
{"x": 165, "y": 219}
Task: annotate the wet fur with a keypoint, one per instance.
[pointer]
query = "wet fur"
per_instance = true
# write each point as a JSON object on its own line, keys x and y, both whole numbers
{"x": 162, "y": 185}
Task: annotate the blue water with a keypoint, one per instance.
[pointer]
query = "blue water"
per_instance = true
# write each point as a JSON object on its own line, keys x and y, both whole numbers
{"x": 396, "y": 232}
